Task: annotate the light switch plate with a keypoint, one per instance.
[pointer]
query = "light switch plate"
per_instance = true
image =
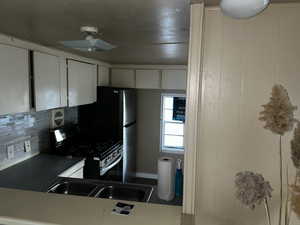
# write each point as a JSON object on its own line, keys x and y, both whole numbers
{"x": 27, "y": 145}
{"x": 10, "y": 152}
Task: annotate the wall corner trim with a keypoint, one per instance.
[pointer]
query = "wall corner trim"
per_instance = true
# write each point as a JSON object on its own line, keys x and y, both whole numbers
{"x": 194, "y": 91}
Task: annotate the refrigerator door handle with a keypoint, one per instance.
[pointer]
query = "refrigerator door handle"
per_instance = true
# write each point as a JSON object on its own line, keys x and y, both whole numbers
{"x": 130, "y": 124}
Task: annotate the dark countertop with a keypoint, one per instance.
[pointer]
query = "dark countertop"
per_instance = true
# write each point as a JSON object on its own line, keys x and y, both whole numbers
{"x": 37, "y": 173}
{"x": 41, "y": 171}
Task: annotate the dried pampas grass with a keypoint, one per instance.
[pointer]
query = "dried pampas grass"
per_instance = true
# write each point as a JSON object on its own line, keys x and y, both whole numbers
{"x": 295, "y": 199}
{"x": 295, "y": 147}
{"x": 278, "y": 114}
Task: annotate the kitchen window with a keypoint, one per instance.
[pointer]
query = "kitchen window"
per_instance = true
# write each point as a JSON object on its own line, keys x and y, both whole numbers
{"x": 172, "y": 123}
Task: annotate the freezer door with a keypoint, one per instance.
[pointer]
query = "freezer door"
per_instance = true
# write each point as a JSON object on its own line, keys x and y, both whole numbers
{"x": 129, "y": 154}
{"x": 129, "y": 107}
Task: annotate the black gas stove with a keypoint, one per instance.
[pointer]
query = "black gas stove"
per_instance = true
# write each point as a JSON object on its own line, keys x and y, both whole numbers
{"x": 96, "y": 149}
{"x": 103, "y": 159}
{"x": 105, "y": 162}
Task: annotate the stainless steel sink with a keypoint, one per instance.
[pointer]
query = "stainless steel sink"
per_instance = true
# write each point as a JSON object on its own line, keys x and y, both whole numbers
{"x": 129, "y": 192}
{"x": 126, "y": 192}
{"x": 73, "y": 188}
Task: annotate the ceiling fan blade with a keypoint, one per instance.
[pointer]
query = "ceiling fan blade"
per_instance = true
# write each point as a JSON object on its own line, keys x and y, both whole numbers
{"x": 88, "y": 45}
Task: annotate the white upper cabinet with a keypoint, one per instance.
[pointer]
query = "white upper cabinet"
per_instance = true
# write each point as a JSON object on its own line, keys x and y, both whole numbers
{"x": 47, "y": 81}
{"x": 123, "y": 78}
{"x": 63, "y": 82}
{"x": 174, "y": 79}
{"x": 14, "y": 80}
{"x": 103, "y": 76}
{"x": 82, "y": 83}
{"x": 148, "y": 79}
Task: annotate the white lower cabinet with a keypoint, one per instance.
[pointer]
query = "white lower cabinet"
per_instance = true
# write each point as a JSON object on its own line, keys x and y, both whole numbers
{"x": 14, "y": 80}
{"x": 82, "y": 83}
{"x": 174, "y": 79}
{"x": 47, "y": 81}
{"x": 75, "y": 171}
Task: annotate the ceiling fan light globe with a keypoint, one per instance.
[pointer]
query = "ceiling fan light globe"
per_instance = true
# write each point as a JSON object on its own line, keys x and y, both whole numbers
{"x": 89, "y": 37}
{"x": 88, "y": 29}
{"x": 243, "y": 9}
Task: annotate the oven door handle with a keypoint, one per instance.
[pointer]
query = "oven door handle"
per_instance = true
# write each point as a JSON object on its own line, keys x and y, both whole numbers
{"x": 104, "y": 170}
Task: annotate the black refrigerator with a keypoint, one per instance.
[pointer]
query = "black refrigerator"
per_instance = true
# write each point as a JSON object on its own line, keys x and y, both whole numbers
{"x": 112, "y": 119}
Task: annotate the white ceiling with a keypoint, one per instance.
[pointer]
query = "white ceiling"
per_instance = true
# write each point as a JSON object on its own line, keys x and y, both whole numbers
{"x": 145, "y": 31}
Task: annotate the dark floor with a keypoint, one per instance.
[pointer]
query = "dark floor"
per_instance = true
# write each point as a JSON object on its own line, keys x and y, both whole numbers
{"x": 147, "y": 181}
{"x": 155, "y": 199}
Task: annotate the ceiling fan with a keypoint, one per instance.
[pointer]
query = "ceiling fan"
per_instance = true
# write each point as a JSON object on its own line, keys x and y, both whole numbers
{"x": 90, "y": 43}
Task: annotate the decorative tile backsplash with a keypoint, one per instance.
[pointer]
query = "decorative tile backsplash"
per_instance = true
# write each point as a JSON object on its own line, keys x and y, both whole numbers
{"x": 33, "y": 126}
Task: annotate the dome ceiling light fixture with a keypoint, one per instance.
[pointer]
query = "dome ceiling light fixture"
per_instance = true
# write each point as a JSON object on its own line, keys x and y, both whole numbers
{"x": 243, "y": 9}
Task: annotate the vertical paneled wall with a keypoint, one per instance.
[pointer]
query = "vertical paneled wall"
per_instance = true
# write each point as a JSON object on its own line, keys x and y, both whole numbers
{"x": 243, "y": 59}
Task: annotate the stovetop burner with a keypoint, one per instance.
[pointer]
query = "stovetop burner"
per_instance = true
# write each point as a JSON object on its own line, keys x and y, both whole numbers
{"x": 102, "y": 146}
{"x": 97, "y": 149}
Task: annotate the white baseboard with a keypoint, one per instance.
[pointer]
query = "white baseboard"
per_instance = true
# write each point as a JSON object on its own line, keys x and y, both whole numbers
{"x": 147, "y": 175}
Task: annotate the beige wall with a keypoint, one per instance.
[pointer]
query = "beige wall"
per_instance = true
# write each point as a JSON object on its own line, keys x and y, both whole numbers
{"x": 148, "y": 130}
{"x": 242, "y": 61}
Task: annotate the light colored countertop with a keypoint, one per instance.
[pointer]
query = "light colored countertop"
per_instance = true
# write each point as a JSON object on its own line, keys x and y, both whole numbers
{"x": 75, "y": 210}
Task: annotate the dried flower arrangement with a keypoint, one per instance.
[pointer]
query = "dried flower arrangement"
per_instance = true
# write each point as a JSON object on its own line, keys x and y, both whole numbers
{"x": 295, "y": 147}
{"x": 295, "y": 200}
{"x": 252, "y": 189}
{"x": 295, "y": 188}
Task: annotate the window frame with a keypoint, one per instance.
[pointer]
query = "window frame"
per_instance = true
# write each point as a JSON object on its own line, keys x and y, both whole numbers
{"x": 163, "y": 148}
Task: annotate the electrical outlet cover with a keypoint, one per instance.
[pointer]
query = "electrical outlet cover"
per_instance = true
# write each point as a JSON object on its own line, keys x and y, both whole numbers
{"x": 27, "y": 145}
{"x": 10, "y": 152}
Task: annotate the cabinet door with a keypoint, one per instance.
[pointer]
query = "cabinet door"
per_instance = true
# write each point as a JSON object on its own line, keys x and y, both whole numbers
{"x": 148, "y": 79}
{"x": 63, "y": 82}
{"x": 174, "y": 79}
{"x": 82, "y": 84}
{"x": 46, "y": 81}
{"x": 14, "y": 80}
{"x": 123, "y": 78}
{"x": 103, "y": 76}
